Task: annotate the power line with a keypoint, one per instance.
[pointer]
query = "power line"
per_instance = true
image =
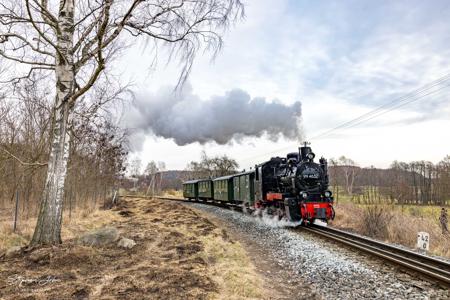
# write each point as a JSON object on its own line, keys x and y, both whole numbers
{"x": 377, "y": 114}
{"x": 395, "y": 102}
{"x": 413, "y": 96}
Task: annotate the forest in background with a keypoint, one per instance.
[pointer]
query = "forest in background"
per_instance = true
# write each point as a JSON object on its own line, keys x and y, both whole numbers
{"x": 97, "y": 157}
{"x": 418, "y": 182}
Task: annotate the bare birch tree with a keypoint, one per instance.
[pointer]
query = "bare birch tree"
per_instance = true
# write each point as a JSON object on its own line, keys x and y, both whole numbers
{"x": 77, "y": 40}
{"x": 150, "y": 171}
{"x": 350, "y": 172}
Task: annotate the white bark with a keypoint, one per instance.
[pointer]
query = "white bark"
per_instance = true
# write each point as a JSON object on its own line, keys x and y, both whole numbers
{"x": 48, "y": 228}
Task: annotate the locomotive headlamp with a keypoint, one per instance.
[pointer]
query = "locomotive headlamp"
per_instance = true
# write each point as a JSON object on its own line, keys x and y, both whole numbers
{"x": 310, "y": 155}
{"x": 304, "y": 195}
{"x": 327, "y": 194}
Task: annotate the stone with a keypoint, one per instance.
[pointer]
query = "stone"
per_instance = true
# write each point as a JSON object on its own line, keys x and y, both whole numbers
{"x": 13, "y": 251}
{"x": 126, "y": 243}
{"x": 40, "y": 256}
{"x": 99, "y": 237}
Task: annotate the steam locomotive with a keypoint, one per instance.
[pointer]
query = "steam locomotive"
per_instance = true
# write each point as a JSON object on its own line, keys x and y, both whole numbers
{"x": 293, "y": 187}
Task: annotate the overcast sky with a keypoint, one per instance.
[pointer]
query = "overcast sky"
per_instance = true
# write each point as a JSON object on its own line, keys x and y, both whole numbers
{"x": 328, "y": 61}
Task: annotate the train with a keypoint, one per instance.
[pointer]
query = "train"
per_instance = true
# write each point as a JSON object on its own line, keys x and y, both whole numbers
{"x": 294, "y": 187}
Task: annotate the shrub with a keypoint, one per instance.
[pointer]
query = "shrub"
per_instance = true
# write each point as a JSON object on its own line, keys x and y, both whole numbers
{"x": 375, "y": 221}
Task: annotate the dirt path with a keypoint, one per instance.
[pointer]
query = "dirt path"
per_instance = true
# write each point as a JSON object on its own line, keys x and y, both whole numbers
{"x": 283, "y": 283}
{"x": 179, "y": 254}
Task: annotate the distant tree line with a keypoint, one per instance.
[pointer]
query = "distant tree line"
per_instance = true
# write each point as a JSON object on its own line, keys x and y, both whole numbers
{"x": 418, "y": 182}
{"x": 155, "y": 178}
{"x": 210, "y": 167}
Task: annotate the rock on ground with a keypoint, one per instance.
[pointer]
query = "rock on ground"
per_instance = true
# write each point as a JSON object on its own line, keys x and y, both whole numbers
{"x": 126, "y": 243}
{"x": 100, "y": 237}
{"x": 13, "y": 251}
{"x": 40, "y": 256}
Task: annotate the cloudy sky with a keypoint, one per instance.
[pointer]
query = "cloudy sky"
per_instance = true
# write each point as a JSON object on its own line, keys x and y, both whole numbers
{"x": 328, "y": 61}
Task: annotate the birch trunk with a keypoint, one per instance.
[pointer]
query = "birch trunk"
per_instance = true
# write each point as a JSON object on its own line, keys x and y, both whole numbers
{"x": 48, "y": 227}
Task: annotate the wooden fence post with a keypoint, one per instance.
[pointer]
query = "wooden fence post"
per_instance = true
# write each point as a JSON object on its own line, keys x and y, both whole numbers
{"x": 16, "y": 211}
{"x": 114, "y": 198}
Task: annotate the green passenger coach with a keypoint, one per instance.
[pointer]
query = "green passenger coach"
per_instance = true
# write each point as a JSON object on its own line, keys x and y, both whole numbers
{"x": 243, "y": 184}
{"x": 190, "y": 189}
{"x": 223, "y": 188}
{"x": 205, "y": 189}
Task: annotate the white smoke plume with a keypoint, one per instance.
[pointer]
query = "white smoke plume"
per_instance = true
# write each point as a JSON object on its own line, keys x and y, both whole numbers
{"x": 185, "y": 118}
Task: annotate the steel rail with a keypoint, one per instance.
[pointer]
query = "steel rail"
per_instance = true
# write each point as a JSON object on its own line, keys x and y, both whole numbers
{"x": 427, "y": 266}
{"x": 418, "y": 256}
{"x": 434, "y": 269}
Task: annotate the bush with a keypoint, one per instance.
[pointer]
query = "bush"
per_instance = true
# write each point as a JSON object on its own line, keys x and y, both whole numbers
{"x": 375, "y": 221}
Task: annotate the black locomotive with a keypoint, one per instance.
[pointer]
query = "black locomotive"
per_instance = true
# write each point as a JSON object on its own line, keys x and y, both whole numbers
{"x": 295, "y": 186}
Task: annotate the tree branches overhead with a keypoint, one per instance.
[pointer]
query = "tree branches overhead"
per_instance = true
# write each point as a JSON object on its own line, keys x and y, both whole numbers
{"x": 101, "y": 28}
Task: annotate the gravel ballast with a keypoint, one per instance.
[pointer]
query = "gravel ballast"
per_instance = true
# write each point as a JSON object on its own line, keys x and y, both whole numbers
{"x": 334, "y": 271}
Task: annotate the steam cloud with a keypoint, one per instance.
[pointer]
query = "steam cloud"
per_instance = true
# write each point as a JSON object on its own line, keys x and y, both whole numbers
{"x": 186, "y": 119}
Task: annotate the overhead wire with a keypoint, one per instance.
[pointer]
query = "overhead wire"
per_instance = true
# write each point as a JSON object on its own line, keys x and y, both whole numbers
{"x": 413, "y": 96}
{"x": 385, "y": 108}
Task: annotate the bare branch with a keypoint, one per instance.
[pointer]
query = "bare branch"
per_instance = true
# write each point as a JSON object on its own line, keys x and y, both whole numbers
{"x": 5, "y": 36}
{"x": 20, "y": 161}
{"x": 34, "y": 24}
{"x": 32, "y": 69}
{"x": 23, "y": 61}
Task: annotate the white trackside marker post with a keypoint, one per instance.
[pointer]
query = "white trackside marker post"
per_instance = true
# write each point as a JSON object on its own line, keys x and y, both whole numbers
{"x": 423, "y": 241}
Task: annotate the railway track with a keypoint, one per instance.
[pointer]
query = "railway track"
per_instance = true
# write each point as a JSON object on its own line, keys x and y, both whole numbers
{"x": 428, "y": 267}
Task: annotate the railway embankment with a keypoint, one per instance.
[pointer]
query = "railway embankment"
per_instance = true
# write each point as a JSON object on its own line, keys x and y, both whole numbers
{"x": 333, "y": 271}
{"x": 178, "y": 254}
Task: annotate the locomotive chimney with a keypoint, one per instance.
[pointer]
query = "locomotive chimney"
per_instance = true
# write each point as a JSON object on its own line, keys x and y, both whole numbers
{"x": 304, "y": 150}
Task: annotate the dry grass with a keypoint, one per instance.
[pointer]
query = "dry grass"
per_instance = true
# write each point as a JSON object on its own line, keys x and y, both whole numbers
{"x": 394, "y": 224}
{"x": 179, "y": 254}
{"x": 376, "y": 220}
{"x": 229, "y": 265}
{"x": 232, "y": 271}
{"x": 172, "y": 193}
